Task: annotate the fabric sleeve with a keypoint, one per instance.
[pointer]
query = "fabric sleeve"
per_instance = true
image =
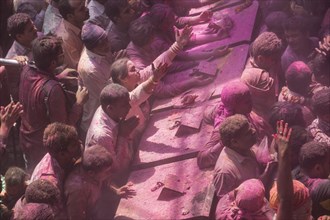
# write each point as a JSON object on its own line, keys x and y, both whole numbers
{"x": 223, "y": 183}
{"x": 76, "y": 202}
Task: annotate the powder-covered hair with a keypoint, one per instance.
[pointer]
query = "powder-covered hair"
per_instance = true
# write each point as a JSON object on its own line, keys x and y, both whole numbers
{"x": 58, "y": 137}
{"x": 232, "y": 127}
{"x": 42, "y": 191}
{"x": 96, "y": 158}
{"x": 321, "y": 102}
{"x": 266, "y": 44}
{"x": 298, "y": 77}
{"x": 16, "y": 24}
{"x": 112, "y": 93}
{"x": 313, "y": 153}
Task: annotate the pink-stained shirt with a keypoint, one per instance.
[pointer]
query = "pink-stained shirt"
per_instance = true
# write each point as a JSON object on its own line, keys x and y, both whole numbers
{"x": 38, "y": 112}
{"x": 232, "y": 169}
{"x": 94, "y": 74}
{"x": 72, "y": 43}
{"x": 81, "y": 193}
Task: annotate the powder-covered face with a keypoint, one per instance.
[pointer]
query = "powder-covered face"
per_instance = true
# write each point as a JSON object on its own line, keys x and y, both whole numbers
{"x": 296, "y": 39}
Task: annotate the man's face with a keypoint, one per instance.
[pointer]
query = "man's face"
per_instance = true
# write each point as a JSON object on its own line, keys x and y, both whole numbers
{"x": 121, "y": 108}
{"x": 296, "y": 39}
{"x": 72, "y": 154}
{"x": 246, "y": 139}
{"x": 80, "y": 13}
{"x": 29, "y": 34}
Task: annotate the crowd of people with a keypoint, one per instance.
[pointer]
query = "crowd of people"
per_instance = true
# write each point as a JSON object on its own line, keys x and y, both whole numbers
{"x": 88, "y": 71}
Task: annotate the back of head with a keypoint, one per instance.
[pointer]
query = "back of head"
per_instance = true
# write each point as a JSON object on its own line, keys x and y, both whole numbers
{"x": 233, "y": 93}
{"x": 58, "y": 137}
{"x": 15, "y": 176}
{"x": 112, "y": 93}
{"x": 296, "y": 23}
{"x": 42, "y": 191}
{"x": 313, "y": 153}
{"x": 91, "y": 34}
{"x": 320, "y": 67}
{"x": 321, "y": 102}
{"x": 160, "y": 13}
{"x": 266, "y": 44}
{"x": 27, "y": 8}
{"x": 298, "y": 77}
{"x": 96, "y": 158}
{"x": 16, "y": 24}
{"x": 119, "y": 70}
{"x": 291, "y": 113}
{"x": 141, "y": 31}
{"x": 231, "y": 128}
{"x": 113, "y": 8}
{"x": 45, "y": 50}
{"x": 36, "y": 211}
{"x": 65, "y": 8}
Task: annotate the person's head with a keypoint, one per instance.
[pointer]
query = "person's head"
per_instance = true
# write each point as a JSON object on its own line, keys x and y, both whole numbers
{"x": 301, "y": 201}
{"x": 95, "y": 39}
{"x": 15, "y": 179}
{"x": 299, "y": 136}
{"x": 119, "y": 12}
{"x": 36, "y": 211}
{"x": 21, "y": 28}
{"x": 42, "y": 191}
{"x": 237, "y": 133}
{"x": 47, "y": 53}
{"x": 314, "y": 159}
{"x": 74, "y": 11}
{"x": 63, "y": 144}
{"x": 321, "y": 104}
{"x": 141, "y": 31}
{"x": 274, "y": 22}
{"x": 296, "y": 32}
{"x": 320, "y": 66}
{"x": 298, "y": 78}
{"x": 266, "y": 50}
{"x": 236, "y": 97}
{"x": 123, "y": 72}
{"x": 162, "y": 17}
{"x": 97, "y": 161}
{"x": 115, "y": 100}
{"x": 291, "y": 113}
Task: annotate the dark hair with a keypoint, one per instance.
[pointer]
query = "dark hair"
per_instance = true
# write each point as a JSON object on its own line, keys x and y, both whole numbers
{"x": 96, "y": 158}
{"x": 27, "y": 8}
{"x": 321, "y": 102}
{"x": 296, "y": 23}
{"x": 114, "y": 7}
{"x": 42, "y": 191}
{"x": 266, "y": 44}
{"x": 160, "y": 12}
{"x": 232, "y": 127}
{"x": 140, "y": 31}
{"x": 299, "y": 136}
{"x": 298, "y": 77}
{"x": 15, "y": 176}
{"x": 65, "y": 8}
{"x": 46, "y": 49}
{"x": 58, "y": 137}
{"x": 112, "y": 93}
{"x": 313, "y": 153}
{"x": 119, "y": 70}
{"x": 274, "y": 21}
{"x": 320, "y": 65}
{"x": 291, "y": 113}
{"x": 16, "y": 24}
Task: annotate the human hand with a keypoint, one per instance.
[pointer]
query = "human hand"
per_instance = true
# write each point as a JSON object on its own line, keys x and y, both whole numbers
{"x": 22, "y": 60}
{"x": 126, "y": 191}
{"x": 183, "y": 37}
{"x": 128, "y": 125}
{"x": 282, "y": 138}
{"x": 69, "y": 77}
{"x": 159, "y": 72}
{"x": 324, "y": 217}
{"x": 8, "y": 116}
{"x": 201, "y": 80}
{"x": 324, "y": 46}
{"x": 205, "y": 15}
{"x": 119, "y": 54}
{"x": 221, "y": 51}
{"x": 81, "y": 95}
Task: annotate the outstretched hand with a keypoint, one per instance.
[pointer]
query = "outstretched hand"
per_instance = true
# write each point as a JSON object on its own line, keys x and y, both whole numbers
{"x": 8, "y": 116}
{"x": 183, "y": 37}
{"x": 126, "y": 191}
{"x": 160, "y": 71}
{"x": 282, "y": 137}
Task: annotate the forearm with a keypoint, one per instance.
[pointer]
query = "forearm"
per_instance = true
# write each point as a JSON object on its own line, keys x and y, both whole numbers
{"x": 183, "y": 21}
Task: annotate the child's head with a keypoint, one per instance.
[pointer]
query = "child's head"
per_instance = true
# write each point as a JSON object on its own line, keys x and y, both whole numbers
{"x": 266, "y": 50}
{"x": 298, "y": 78}
{"x": 321, "y": 104}
{"x": 314, "y": 159}
{"x": 237, "y": 133}
{"x": 42, "y": 191}
{"x": 15, "y": 179}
